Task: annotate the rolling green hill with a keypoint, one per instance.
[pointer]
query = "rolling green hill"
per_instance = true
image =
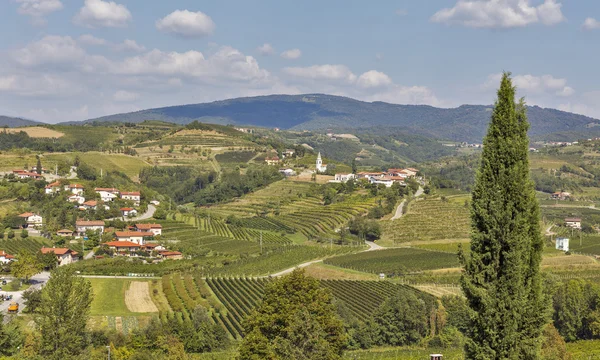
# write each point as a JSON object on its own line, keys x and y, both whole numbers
{"x": 16, "y": 122}
{"x": 317, "y": 111}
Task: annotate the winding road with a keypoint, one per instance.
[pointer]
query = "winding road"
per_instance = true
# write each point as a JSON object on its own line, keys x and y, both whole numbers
{"x": 37, "y": 281}
{"x": 145, "y": 216}
{"x": 400, "y": 207}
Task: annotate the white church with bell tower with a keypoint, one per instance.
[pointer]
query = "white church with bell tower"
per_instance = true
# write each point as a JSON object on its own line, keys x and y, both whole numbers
{"x": 320, "y": 166}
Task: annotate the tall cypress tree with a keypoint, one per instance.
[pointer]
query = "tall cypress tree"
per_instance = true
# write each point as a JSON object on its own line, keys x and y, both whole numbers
{"x": 501, "y": 278}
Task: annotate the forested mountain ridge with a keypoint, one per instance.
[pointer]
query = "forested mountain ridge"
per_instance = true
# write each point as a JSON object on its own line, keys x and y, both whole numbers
{"x": 16, "y": 122}
{"x": 318, "y": 111}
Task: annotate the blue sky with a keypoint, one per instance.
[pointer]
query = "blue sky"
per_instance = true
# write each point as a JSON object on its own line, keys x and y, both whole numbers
{"x": 77, "y": 59}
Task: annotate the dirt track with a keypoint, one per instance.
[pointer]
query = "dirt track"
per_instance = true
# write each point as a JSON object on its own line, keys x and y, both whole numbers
{"x": 137, "y": 298}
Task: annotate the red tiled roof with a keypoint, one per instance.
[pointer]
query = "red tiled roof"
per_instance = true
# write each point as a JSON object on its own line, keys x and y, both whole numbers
{"x": 151, "y": 245}
{"x": 26, "y": 215}
{"x": 132, "y": 234}
{"x": 53, "y": 185}
{"x": 75, "y": 186}
{"x": 127, "y": 209}
{"x": 573, "y": 220}
{"x": 131, "y": 193}
{"x": 57, "y": 251}
{"x": 170, "y": 253}
{"x": 91, "y": 203}
{"x": 64, "y": 231}
{"x": 90, "y": 223}
{"x": 20, "y": 171}
{"x": 148, "y": 226}
{"x": 128, "y": 244}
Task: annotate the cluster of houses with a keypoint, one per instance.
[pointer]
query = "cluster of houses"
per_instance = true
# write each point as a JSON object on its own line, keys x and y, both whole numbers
{"x": 561, "y": 195}
{"x": 106, "y": 195}
{"x": 26, "y": 174}
{"x": 387, "y": 178}
{"x": 275, "y": 160}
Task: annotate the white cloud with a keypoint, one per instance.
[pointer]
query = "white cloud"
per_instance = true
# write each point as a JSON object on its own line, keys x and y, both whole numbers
{"x": 500, "y": 13}
{"x": 99, "y": 13}
{"x": 291, "y": 54}
{"x": 533, "y": 85}
{"x": 38, "y": 85}
{"x": 591, "y": 24}
{"x": 125, "y": 96}
{"x": 266, "y": 49}
{"x": 373, "y": 79}
{"x": 322, "y": 72}
{"x": 130, "y": 45}
{"x": 187, "y": 24}
{"x": 51, "y": 49}
{"x": 88, "y": 39}
{"x": 37, "y": 9}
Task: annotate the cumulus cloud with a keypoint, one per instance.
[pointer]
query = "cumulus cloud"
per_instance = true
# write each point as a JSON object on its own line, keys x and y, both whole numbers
{"x": 291, "y": 54}
{"x": 500, "y": 13}
{"x": 125, "y": 96}
{"x": 130, "y": 45}
{"x": 38, "y": 85}
{"x": 373, "y": 79}
{"x": 51, "y": 49}
{"x": 533, "y": 85}
{"x": 99, "y": 13}
{"x": 590, "y": 24}
{"x": 37, "y": 9}
{"x": 322, "y": 72}
{"x": 88, "y": 39}
{"x": 266, "y": 49}
{"x": 186, "y": 24}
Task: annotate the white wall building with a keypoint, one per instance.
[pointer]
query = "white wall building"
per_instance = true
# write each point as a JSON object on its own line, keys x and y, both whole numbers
{"x": 562, "y": 244}
{"x": 94, "y": 225}
{"x": 319, "y": 165}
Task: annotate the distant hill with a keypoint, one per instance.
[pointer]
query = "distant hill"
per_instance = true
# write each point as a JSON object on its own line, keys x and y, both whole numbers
{"x": 16, "y": 122}
{"x": 316, "y": 111}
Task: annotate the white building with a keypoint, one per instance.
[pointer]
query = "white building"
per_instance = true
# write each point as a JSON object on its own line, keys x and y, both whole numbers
{"x": 319, "y": 165}
{"x": 76, "y": 199}
{"x": 137, "y": 237}
{"x": 5, "y": 258}
{"x": 134, "y": 196}
{"x": 573, "y": 222}
{"x": 64, "y": 256}
{"x": 76, "y": 189}
{"x": 156, "y": 229}
{"x": 107, "y": 194}
{"x": 344, "y": 177}
{"x": 127, "y": 211}
{"x": 94, "y": 225}
{"x": 31, "y": 219}
{"x": 562, "y": 244}
{"x": 52, "y": 188}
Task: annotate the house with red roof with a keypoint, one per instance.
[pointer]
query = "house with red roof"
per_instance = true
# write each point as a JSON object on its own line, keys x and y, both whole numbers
{"x": 128, "y": 211}
{"x": 173, "y": 255}
{"x": 137, "y": 237}
{"x": 64, "y": 256}
{"x": 24, "y": 174}
{"x": 156, "y": 229}
{"x": 123, "y": 247}
{"x": 76, "y": 189}
{"x": 134, "y": 196}
{"x": 93, "y": 225}
{"x": 90, "y": 205}
{"x": 78, "y": 199}
{"x": 5, "y": 258}
{"x": 107, "y": 194}
{"x": 52, "y": 188}
{"x": 64, "y": 233}
{"x": 31, "y": 219}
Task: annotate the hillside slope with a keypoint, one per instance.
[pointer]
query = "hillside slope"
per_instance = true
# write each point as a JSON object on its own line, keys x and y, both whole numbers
{"x": 316, "y": 111}
{"x": 16, "y": 122}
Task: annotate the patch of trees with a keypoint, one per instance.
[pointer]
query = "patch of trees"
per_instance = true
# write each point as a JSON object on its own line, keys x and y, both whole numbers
{"x": 180, "y": 183}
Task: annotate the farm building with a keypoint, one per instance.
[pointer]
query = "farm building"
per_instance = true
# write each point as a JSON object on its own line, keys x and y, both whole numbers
{"x": 134, "y": 196}
{"x": 136, "y": 237}
{"x": 64, "y": 256}
{"x": 31, "y": 219}
{"x": 64, "y": 232}
{"x": 575, "y": 223}
{"x": 156, "y": 229}
{"x": 562, "y": 244}
{"x": 94, "y": 225}
{"x": 5, "y": 258}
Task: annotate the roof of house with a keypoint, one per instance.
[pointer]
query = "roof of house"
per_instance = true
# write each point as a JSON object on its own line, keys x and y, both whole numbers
{"x": 53, "y": 185}
{"x": 151, "y": 245}
{"x": 170, "y": 253}
{"x": 20, "y": 171}
{"x": 26, "y": 215}
{"x": 274, "y": 158}
{"x": 89, "y": 223}
{"x": 127, "y": 209}
{"x": 91, "y": 203}
{"x": 148, "y": 226}
{"x": 127, "y": 244}
{"x": 110, "y": 190}
{"x": 131, "y": 193}
{"x": 573, "y": 220}
{"x": 27, "y": 173}
{"x": 132, "y": 233}
{"x": 57, "y": 251}
{"x": 413, "y": 169}
{"x": 64, "y": 231}
{"x": 75, "y": 186}
{"x": 5, "y": 254}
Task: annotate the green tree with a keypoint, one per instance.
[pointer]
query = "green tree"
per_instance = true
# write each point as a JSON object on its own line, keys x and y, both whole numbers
{"x": 26, "y": 266}
{"x": 354, "y": 167}
{"x": 296, "y": 320}
{"x": 400, "y": 320}
{"x": 63, "y": 314}
{"x": 10, "y": 337}
{"x": 24, "y": 234}
{"x": 501, "y": 278}
{"x": 38, "y": 167}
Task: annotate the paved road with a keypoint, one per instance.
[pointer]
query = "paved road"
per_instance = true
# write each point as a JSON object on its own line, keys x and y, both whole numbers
{"x": 398, "y": 213}
{"x": 145, "y": 216}
{"x": 373, "y": 246}
{"x": 37, "y": 281}
{"x": 89, "y": 255}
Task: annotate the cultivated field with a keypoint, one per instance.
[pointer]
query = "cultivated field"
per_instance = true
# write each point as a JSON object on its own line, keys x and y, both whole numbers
{"x": 37, "y": 132}
{"x": 110, "y": 297}
{"x": 137, "y": 298}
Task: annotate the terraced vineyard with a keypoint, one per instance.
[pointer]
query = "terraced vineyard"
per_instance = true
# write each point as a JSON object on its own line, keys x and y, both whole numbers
{"x": 202, "y": 138}
{"x": 396, "y": 261}
{"x": 430, "y": 219}
{"x": 30, "y": 244}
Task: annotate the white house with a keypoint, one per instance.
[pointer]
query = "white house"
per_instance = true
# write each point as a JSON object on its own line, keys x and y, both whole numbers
{"x": 5, "y": 258}
{"x": 134, "y": 196}
{"x": 24, "y": 174}
{"x": 319, "y": 165}
{"x": 107, "y": 194}
{"x": 287, "y": 172}
{"x": 128, "y": 211}
{"x": 52, "y": 188}
{"x": 344, "y": 177}
{"x": 64, "y": 256}
{"x": 273, "y": 160}
{"x": 31, "y": 219}
{"x": 156, "y": 229}
{"x": 562, "y": 244}
{"x": 137, "y": 237}
{"x": 76, "y": 189}
{"x": 123, "y": 247}
{"x": 573, "y": 222}
{"x": 90, "y": 205}
{"x": 76, "y": 199}
{"x": 64, "y": 232}
{"x": 94, "y": 225}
